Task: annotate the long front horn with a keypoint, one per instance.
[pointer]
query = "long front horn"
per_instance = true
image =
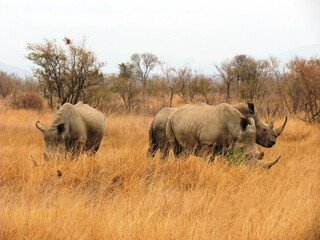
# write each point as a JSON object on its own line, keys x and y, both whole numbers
{"x": 280, "y": 129}
{"x": 39, "y": 126}
{"x": 266, "y": 164}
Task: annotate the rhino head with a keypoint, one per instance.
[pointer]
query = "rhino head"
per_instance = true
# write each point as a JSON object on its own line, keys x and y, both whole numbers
{"x": 246, "y": 142}
{"x": 55, "y": 139}
{"x": 266, "y": 135}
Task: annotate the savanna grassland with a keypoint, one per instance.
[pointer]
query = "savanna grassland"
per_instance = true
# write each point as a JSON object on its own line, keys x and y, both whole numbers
{"x": 121, "y": 194}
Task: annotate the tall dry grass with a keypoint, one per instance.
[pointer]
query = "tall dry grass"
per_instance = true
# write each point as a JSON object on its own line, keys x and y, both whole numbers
{"x": 121, "y": 194}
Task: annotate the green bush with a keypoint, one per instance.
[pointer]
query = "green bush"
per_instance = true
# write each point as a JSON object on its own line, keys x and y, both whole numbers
{"x": 236, "y": 157}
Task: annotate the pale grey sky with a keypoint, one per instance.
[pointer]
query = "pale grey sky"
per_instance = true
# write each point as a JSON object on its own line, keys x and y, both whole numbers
{"x": 201, "y": 32}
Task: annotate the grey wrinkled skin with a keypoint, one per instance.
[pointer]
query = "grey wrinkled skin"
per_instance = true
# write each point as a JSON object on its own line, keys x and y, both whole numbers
{"x": 157, "y": 133}
{"x": 266, "y": 135}
{"x": 205, "y": 130}
{"x": 73, "y": 128}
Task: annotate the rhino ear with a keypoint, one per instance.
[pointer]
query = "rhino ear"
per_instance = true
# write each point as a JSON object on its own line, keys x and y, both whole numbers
{"x": 244, "y": 123}
{"x": 251, "y": 106}
{"x": 61, "y": 128}
{"x": 270, "y": 125}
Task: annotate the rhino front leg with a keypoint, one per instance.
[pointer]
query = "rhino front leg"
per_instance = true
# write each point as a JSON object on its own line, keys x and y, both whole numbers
{"x": 79, "y": 148}
{"x": 152, "y": 149}
{"x": 206, "y": 151}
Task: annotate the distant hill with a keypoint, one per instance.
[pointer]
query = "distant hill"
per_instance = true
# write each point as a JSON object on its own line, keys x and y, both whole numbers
{"x": 21, "y": 72}
{"x": 304, "y": 52}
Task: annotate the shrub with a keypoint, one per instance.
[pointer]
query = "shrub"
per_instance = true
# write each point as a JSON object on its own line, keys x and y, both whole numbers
{"x": 27, "y": 100}
{"x": 236, "y": 157}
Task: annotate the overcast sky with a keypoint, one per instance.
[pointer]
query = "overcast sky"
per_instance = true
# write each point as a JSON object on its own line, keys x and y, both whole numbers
{"x": 201, "y": 32}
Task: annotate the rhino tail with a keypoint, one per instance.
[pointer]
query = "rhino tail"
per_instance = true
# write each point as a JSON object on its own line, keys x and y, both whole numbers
{"x": 153, "y": 143}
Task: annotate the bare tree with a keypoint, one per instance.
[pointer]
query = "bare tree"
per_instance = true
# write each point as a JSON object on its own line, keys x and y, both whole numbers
{"x": 305, "y": 75}
{"x": 125, "y": 85}
{"x": 9, "y": 83}
{"x": 205, "y": 86}
{"x": 184, "y": 75}
{"x": 238, "y": 63}
{"x": 142, "y": 65}
{"x": 226, "y": 72}
{"x": 170, "y": 80}
{"x": 66, "y": 71}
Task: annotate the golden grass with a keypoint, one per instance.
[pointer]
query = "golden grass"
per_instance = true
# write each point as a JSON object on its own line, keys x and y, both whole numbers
{"x": 121, "y": 194}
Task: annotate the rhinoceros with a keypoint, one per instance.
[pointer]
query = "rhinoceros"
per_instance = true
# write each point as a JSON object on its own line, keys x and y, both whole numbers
{"x": 211, "y": 130}
{"x": 266, "y": 135}
{"x": 157, "y": 133}
{"x": 74, "y": 128}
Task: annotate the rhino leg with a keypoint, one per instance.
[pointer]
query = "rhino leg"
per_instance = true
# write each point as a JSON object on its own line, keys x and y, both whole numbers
{"x": 79, "y": 148}
{"x": 93, "y": 151}
{"x": 205, "y": 151}
{"x": 164, "y": 150}
{"x": 153, "y": 142}
{"x": 153, "y": 147}
{"x": 152, "y": 151}
{"x": 177, "y": 150}
{"x": 96, "y": 148}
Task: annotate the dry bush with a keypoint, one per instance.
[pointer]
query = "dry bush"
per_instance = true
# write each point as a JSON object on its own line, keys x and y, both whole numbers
{"x": 28, "y": 100}
{"x": 32, "y": 100}
{"x": 121, "y": 194}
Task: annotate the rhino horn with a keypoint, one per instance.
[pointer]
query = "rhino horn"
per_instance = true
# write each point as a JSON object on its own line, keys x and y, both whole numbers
{"x": 39, "y": 126}
{"x": 280, "y": 129}
{"x": 260, "y": 155}
{"x": 266, "y": 164}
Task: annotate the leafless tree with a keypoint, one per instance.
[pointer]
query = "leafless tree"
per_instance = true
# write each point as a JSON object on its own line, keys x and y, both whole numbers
{"x": 125, "y": 85}
{"x": 226, "y": 72}
{"x": 184, "y": 75}
{"x": 305, "y": 76}
{"x": 9, "y": 83}
{"x": 170, "y": 80}
{"x": 142, "y": 65}
{"x": 66, "y": 71}
{"x": 205, "y": 87}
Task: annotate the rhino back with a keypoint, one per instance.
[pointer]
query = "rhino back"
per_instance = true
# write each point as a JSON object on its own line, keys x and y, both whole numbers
{"x": 160, "y": 122}
{"x": 186, "y": 123}
{"x": 244, "y": 109}
{"x": 94, "y": 122}
{"x": 199, "y": 125}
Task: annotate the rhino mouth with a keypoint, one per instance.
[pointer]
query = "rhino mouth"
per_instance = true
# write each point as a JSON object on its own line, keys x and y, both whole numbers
{"x": 270, "y": 144}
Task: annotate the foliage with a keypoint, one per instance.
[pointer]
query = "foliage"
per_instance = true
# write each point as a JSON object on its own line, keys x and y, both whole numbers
{"x": 141, "y": 67}
{"x": 304, "y": 79}
{"x": 9, "y": 84}
{"x": 72, "y": 73}
{"x": 66, "y": 71}
{"x": 236, "y": 157}
{"x": 28, "y": 100}
{"x": 125, "y": 85}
